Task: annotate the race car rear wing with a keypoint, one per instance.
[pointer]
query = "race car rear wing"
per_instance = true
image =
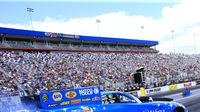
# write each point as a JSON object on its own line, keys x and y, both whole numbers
{"x": 68, "y": 98}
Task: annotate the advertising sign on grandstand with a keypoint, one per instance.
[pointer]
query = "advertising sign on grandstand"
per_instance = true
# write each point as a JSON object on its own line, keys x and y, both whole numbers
{"x": 173, "y": 87}
{"x": 189, "y": 84}
{"x": 153, "y": 90}
{"x": 198, "y": 82}
{"x": 66, "y": 98}
{"x": 52, "y": 34}
{"x": 70, "y": 36}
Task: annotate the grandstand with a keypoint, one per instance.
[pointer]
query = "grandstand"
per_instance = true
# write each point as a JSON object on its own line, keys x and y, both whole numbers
{"x": 15, "y": 39}
{"x": 81, "y": 61}
{"x": 25, "y": 40}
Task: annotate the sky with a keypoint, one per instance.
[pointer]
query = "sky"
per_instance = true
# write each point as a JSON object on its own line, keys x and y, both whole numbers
{"x": 174, "y": 23}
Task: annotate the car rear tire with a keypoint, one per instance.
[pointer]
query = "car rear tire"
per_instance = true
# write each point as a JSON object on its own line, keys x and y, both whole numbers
{"x": 179, "y": 109}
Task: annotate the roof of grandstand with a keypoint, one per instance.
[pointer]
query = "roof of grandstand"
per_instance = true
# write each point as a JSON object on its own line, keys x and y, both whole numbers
{"x": 19, "y": 33}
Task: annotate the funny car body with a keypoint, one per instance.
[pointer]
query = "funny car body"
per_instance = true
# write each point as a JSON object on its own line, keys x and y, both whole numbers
{"x": 91, "y": 99}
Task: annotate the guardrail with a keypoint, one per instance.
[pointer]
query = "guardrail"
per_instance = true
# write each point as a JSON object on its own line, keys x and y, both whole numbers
{"x": 169, "y": 89}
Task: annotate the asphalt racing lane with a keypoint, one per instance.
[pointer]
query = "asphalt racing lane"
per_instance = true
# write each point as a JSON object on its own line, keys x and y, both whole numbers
{"x": 179, "y": 95}
{"x": 191, "y": 102}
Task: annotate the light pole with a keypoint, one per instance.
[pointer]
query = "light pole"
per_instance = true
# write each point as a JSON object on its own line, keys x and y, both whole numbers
{"x": 30, "y": 10}
{"x": 142, "y": 32}
{"x": 195, "y": 48}
{"x": 98, "y": 27}
{"x": 173, "y": 40}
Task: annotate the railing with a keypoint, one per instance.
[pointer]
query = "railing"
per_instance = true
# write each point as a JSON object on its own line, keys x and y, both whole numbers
{"x": 68, "y": 50}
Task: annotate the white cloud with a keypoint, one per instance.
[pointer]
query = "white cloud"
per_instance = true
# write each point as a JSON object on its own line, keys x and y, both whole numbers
{"x": 183, "y": 18}
{"x": 14, "y": 26}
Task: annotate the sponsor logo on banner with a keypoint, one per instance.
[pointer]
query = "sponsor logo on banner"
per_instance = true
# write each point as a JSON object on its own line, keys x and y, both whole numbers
{"x": 153, "y": 90}
{"x": 96, "y": 90}
{"x": 71, "y": 94}
{"x": 76, "y": 36}
{"x": 85, "y": 99}
{"x": 65, "y": 103}
{"x": 84, "y": 92}
{"x": 57, "y": 96}
{"x": 45, "y": 98}
{"x": 52, "y": 105}
{"x": 96, "y": 98}
{"x": 47, "y": 34}
{"x": 173, "y": 87}
{"x": 71, "y": 36}
{"x": 77, "y": 101}
{"x": 52, "y": 34}
{"x": 189, "y": 84}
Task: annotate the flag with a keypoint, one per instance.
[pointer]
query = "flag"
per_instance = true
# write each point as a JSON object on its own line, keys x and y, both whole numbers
{"x": 98, "y": 20}
{"x": 30, "y": 10}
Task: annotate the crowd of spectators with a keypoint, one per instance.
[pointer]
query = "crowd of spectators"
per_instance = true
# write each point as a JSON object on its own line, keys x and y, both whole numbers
{"x": 7, "y": 85}
{"x": 34, "y": 72}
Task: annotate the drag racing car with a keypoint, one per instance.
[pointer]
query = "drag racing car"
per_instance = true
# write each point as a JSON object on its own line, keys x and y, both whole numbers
{"x": 91, "y": 99}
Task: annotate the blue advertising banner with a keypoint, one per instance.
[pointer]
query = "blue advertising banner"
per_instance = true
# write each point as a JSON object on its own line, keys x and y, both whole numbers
{"x": 40, "y": 34}
{"x": 67, "y": 98}
{"x": 61, "y": 35}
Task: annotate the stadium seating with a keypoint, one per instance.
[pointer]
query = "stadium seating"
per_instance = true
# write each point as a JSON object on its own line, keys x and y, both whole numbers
{"x": 34, "y": 72}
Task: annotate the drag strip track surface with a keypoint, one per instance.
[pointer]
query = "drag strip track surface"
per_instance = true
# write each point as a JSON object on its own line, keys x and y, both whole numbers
{"x": 179, "y": 95}
{"x": 191, "y": 102}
